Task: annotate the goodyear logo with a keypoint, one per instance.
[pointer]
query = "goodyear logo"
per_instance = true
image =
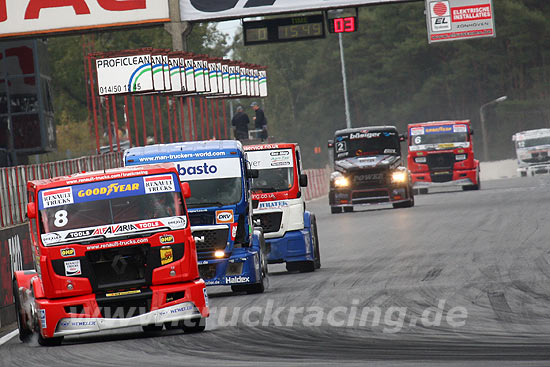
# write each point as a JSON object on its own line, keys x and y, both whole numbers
{"x": 167, "y": 238}
{"x": 108, "y": 190}
{"x": 439, "y": 129}
{"x": 68, "y": 252}
{"x": 166, "y": 255}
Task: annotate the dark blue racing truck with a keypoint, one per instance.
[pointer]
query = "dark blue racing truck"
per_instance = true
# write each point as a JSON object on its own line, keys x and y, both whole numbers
{"x": 230, "y": 250}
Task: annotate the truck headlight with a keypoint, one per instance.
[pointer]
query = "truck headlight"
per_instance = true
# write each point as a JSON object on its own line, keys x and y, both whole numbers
{"x": 461, "y": 157}
{"x": 341, "y": 182}
{"x": 399, "y": 177}
{"x": 420, "y": 159}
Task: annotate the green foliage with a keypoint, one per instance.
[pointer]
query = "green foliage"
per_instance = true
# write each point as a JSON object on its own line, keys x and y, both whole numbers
{"x": 395, "y": 77}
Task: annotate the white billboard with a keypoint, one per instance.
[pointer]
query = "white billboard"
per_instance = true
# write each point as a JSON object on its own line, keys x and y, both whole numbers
{"x": 450, "y": 20}
{"x": 199, "y": 10}
{"x": 19, "y": 17}
{"x": 119, "y": 75}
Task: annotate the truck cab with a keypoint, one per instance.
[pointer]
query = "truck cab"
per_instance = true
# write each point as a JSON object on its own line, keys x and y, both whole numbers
{"x": 368, "y": 169}
{"x": 441, "y": 153}
{"x": 111, "y": 249}
{"x": 533, "y": 152}
{"x": 230, "y": 250}
{"x": 290, "y": 230}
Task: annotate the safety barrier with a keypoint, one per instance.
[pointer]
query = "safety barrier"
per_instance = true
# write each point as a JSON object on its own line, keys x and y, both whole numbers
{"x": 13, "y": 181}
{"x": 318, "y": 183}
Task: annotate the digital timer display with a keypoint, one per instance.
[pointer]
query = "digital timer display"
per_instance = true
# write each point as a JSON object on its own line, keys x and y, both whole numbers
{"x": 342, "y": 25}
{"x": 284, "y": 29}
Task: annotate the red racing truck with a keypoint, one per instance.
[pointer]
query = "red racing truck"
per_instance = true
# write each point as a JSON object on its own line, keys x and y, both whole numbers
{"x": 112, "y": 249}
{"x": 441, "y": 153}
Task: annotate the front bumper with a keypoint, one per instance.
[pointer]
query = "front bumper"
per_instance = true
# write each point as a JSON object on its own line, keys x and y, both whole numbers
{"x": 293, "y": 246}
{"x": 539, "y": 169}
{"x": 242, "y": 267}
{"x": 57, "y": 317}
{"x": 458, "y": 178}
{"x": 385, "y": 195}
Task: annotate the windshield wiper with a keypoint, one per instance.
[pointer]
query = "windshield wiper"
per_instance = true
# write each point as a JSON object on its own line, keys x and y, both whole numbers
{"x": 94, "y": 239}
{"x": 201, "y": 205}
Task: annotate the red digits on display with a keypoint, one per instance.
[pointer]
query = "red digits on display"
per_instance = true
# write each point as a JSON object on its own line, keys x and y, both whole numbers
{"x": 122, "y": 5}
{"x": 344, "y": 25}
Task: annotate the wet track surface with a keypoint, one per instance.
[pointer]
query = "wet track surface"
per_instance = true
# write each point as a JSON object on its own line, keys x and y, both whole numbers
{"x": 463, "y": 278}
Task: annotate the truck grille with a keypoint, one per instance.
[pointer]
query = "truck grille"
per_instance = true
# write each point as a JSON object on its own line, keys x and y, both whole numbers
{"x": 270, "y": 222}
{"x": 202, "y": 219}
{"x": 442, "y": 177}
{"x": 440, "y": 161}
{"x": 211, "y": 240}
{"x": 118, "y": 267}
{"x": 365, "y": 179}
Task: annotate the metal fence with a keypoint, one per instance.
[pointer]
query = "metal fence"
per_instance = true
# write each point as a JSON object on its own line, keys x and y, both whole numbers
{"x": 13, "y": 181}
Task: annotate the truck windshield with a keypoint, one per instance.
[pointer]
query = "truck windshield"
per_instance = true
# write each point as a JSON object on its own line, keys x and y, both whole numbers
{"x": 375, "y": 144}
{"x": 273, "y": 180}
{"x": 527, "y": 143}
{"x": 110, "y": 202}
{"x": 275, "y": 170}
{"x": 215, "y": 192}
{"x": 426, "y": 135}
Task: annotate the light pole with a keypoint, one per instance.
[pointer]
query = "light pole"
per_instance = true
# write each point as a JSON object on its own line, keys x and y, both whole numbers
{"x": 483, "y": 129}
{"x": 343, "y": 62}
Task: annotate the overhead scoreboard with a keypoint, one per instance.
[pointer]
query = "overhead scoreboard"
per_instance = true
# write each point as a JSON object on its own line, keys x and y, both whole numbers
{"x": 284, "y": 29}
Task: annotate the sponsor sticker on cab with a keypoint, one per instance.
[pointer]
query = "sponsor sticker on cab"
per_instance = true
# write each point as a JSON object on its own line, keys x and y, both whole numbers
{"x": 68, "y": 252}
{"x": 417, "y": 131}
{"x": 57, "y": 197}
{"x": 166, "y": 255}
{"x": 224, "y": 216}
{"x": 156, "y": 184}
{"x": 167, "y": 238}
{"x": 73, "y": 268}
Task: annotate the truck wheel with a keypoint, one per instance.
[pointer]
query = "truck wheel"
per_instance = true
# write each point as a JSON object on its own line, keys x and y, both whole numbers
{"x": 335, "y": 210}
{"x": 348, "y": 209}
{"x": 315, "y": 240}
{"x": 301, "y": 266}
{"x": 24, "y": 333}
{"x": 195, "y": 325}
{"x": 49, "y": 342}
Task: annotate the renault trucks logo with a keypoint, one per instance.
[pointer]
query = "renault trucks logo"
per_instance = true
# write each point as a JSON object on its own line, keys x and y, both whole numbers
{"x": 56, "y": 197}
{"x": 159, "y": 184}
{"x": 224, "y": 216}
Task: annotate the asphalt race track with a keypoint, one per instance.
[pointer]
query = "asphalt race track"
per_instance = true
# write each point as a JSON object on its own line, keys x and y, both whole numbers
{"x": 461, "y": 279}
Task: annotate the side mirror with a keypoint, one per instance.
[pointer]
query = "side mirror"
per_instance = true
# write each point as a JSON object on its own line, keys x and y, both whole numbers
{"x": 185, "y": 190}
{"x": 303, "y": 180}
{"x": 255, "y": 203}
{"x": 252, "y": 173}
{"x": 471, "y": 131}
{"x": 330, "y": 143}
{"x": 31, "y": 210}
{"x": 403, "y": 137}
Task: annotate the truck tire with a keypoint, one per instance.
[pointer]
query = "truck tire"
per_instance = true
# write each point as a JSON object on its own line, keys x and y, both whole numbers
{"x": 335, "y": 210}
{"x": 315, "y": 240}
{"x": 195, "y": 325}
{"x": 300, "y": 266}
{"x": 263, "y": 284}
{"x": 24, "y": 333}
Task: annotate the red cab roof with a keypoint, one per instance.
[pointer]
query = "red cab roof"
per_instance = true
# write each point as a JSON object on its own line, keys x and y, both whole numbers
{"x": 444, "y": 122}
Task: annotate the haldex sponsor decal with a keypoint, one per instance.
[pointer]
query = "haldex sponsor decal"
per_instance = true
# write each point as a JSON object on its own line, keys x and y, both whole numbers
{"x": 237, "y": 280}
{"x": 224, "y": 216}
{"x": 57, "y": 197}
{"x": 159, "y": 184}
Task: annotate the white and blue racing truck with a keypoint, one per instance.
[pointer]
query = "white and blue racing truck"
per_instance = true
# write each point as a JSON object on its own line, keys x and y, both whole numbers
{"x": 533, "y": 152}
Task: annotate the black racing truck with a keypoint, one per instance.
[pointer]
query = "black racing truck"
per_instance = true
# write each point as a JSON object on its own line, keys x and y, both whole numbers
{"x": 368, "y": 169}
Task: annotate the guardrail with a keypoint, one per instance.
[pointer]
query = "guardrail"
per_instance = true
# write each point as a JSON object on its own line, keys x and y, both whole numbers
{"x": 13, "y": 181}
{"x": 318, "y": 183}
